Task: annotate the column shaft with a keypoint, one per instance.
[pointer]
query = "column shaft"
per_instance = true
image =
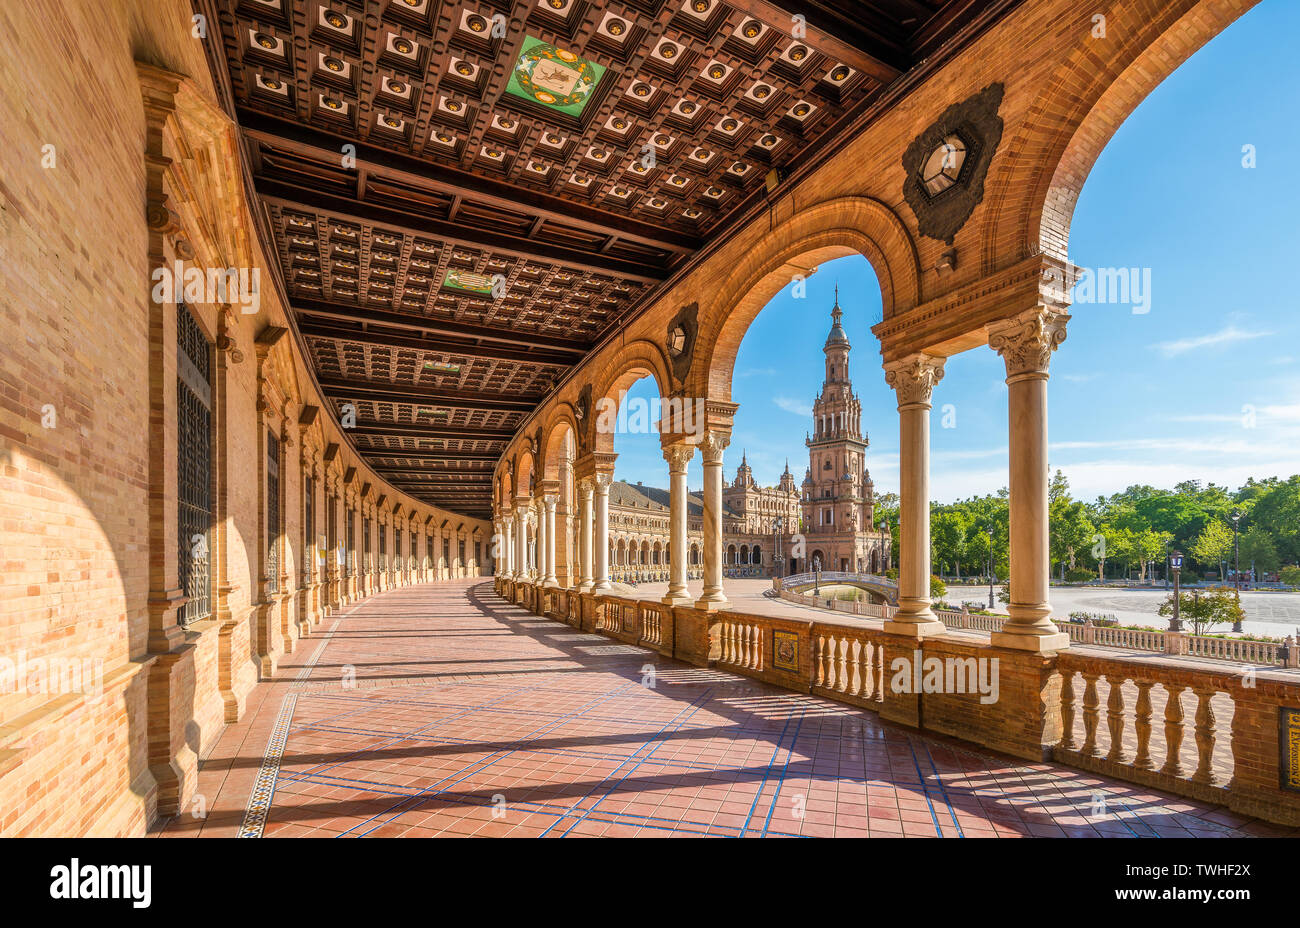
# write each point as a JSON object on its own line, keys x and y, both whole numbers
{"x": 1026, "y": 344}
{"x": 913, "y": 379}
{"x": 586, "y": 581}
{"x": 601, "y": 532}
{"x": 712, "y": 447}
{"x": 678, "y": 457}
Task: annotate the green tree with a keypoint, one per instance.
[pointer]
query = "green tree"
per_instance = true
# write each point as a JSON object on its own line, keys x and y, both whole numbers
{"x": 1258, "y": 549}
{"x": 1206, "y": 609}
{"x": 1213, "y": 545}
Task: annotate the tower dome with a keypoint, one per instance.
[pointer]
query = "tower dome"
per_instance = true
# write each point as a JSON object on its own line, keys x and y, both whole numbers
{"x": 837, "y": 338}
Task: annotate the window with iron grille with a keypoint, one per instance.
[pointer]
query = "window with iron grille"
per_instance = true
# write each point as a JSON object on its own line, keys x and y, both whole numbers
{"x": 272, "y": 512}
{"x": 446, "y": 551}
{"x": 397, "y": 548}
{"x": 415, "y": 549}
{"x": 460, "y": 552}
{"x": 347, "y": 542}
{"x": 478, "y": 553}
{"x": 365, "y": 542}
{"x": 194, "y": 466}
{"x": 428, "y": 549}
{"x": 383, "y": 547}
{"x": 331, "y": 529}
{"x": 309, "y": 527}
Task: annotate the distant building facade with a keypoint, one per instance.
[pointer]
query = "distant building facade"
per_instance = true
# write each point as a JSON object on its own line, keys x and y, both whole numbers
{"x": 834, "y": 509}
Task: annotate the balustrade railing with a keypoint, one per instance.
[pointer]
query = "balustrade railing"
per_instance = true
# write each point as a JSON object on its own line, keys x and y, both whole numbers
{"x": 1163, "y": 724}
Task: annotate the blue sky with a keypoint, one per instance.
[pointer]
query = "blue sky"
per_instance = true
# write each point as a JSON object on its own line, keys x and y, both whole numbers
{"x": 1205, "y": 385}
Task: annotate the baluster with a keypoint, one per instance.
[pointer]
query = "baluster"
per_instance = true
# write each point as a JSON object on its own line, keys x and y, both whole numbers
{"x": 1174, "y": 731}
{"x": 1204, "y": 737}
{"x": 1090, "y": 715}
{"x": 758, "y": 647}
{"x": 1142, "y": 726}
{"x": 819, "y": 651}
{"x": 855, "y": 673}
{"x": 1115, "y": 718}
{"x": 729, "y": 642}
{"x": 868, "y": 690}
{"x": 832, "y": 661}
{"x": 879, "y": 656}
{"x": 844, "y": 666}
{"x": 1067, "y": 712}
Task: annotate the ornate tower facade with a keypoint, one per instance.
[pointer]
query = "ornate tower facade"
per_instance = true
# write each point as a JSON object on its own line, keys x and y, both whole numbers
{"x": 838, "y": 494}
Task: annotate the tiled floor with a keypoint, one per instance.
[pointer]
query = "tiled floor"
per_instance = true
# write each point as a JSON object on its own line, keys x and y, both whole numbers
{"x": 443, "y": 710}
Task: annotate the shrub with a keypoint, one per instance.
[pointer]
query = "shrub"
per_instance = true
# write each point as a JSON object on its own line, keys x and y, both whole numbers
{"x": 1290, "y": 576}
{"x": 1080, "y": 575}
{"x": 938, "y": 589}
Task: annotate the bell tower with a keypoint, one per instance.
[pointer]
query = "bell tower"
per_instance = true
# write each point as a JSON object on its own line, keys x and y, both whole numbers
{"x": 837, "y": 491}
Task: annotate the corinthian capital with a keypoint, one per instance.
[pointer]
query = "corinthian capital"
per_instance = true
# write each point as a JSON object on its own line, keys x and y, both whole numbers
{"x": 913, "y": 378}
{"x": 1026, "y": 341}
{"x": 712, "y": 446}
{"x": 678, "y": 455}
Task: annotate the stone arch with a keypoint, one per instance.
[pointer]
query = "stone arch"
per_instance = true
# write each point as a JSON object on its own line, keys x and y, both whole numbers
{"x": 832, "y": 229}
{"x": 1035, "y": 185}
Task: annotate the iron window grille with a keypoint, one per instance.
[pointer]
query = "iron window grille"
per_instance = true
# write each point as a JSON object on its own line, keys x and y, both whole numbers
{"x": 193, "y": 466}
{"x": 272, "y": 512}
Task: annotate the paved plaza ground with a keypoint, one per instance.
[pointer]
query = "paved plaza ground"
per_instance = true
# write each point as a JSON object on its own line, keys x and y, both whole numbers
{"x": 444, "y": 710}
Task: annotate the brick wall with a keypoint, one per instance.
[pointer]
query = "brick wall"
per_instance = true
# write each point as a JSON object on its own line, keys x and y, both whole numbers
{"x": 87, "y": 432}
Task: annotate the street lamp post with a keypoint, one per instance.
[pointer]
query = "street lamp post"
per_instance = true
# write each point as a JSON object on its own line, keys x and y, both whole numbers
{"x": 1175, "y": 564}
{"x": 780, "y": 561}
{"x": 989, "y": 532}
{"x": 817, "y": 576}
{"x": 1236, "y": 564}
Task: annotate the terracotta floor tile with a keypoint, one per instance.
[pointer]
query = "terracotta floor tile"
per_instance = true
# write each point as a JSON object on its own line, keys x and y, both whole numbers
{"x": 472, "y": 717}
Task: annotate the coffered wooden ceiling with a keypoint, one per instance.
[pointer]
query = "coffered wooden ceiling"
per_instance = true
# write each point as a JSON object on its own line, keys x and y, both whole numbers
{"x": 467, "y": 196}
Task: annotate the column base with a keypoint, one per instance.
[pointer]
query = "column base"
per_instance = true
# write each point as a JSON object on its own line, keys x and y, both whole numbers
{"x": 921, "y": 628}
{"x": 676, "y": 599}
{"x": 602, "y": 588}
{"x": 551, "y": 584}
{"x": 712, "y": 602}
{"x": 1030, "y": 638}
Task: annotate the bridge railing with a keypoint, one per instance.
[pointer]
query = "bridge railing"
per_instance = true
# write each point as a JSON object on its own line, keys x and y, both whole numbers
{"x": 838, "y": 576}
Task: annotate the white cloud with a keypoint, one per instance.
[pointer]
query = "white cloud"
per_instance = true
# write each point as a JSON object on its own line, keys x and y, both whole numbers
{"x": 1225, "y": 335}
{"x": 794, "y": 406}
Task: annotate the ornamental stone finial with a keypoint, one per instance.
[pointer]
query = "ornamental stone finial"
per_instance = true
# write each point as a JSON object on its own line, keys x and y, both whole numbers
{"x": 1026, "y": 341}
{"x": 914, "y": 378}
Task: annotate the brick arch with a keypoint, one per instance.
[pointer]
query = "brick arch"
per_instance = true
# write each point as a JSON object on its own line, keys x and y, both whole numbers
{"x": 1034, "y": 187}
{"x": 560, "y": 419}
{"x": 524, "y": 465}
{"x": 831, "y": 229}
{"x": 641, "y": 358}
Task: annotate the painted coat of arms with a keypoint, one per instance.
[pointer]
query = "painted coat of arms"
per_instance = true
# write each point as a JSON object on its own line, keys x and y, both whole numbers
{"x": 554, "y": 77}
{"x": 785, "y": 651}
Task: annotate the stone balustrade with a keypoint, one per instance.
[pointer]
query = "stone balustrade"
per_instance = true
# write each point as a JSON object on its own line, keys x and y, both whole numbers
{"x": 1211, "y": 733}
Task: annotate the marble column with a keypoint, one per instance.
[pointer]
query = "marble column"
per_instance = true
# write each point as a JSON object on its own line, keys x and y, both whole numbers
{"x": 711, "y": 449}
{"x": 913, "y": 379}
{"x": 549, "y": 546}
{"x": 508, "y": 546}
{"x": 1026, "y": 344}
{"x": 678, "y": 457}
{"x": 521, "y": 540}
{"x": 600, "y": 541}
{"x": 586, "y": 487}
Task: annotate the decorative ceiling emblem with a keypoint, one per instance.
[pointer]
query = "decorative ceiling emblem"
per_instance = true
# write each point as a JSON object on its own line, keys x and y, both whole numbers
{"x": 947, "y": 163}
{"x": 554, "y": 77}
{"x": 467, "y": 280}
